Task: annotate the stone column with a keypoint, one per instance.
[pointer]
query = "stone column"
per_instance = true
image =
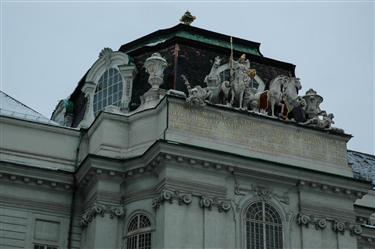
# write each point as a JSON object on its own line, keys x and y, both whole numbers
{"x": 89, "y": 90}
{"x": 101, "y": 222}
{"x": 128, "y": 73}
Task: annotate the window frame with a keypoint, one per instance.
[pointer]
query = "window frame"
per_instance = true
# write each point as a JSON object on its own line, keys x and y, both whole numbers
{"x": 106, "y": 89}
{"x": 245, "y": 220}
{"x": 139, "y": 231}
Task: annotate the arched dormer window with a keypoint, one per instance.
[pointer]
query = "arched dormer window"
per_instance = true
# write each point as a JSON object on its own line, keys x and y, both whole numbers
{"x": 108, "y": 91}
{"x": 138, "y": 235}
{"x": 264, "y": 228}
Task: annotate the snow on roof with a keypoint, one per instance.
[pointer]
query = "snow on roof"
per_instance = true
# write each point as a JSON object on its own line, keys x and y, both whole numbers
{"x": 13, "y": 108}
{"x": 363, "y": 165}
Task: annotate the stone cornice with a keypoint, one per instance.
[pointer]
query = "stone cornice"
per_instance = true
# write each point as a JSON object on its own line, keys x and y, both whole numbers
{"x": 41, "y": 126}
{"x": 36, "y": 205}
{"x": 207, "y": 159}
{"x": 333, "y": 189}
{"x": 32, "y": 176}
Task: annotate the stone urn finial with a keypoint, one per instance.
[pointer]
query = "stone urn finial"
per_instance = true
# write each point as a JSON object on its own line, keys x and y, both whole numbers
{"x": 155, "y": 66}
{"x": 187, "y": 18}
{"x": 313, "y": 100}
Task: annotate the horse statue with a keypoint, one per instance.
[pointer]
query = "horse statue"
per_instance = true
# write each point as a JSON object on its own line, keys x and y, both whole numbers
{"x": 213, "y": 78}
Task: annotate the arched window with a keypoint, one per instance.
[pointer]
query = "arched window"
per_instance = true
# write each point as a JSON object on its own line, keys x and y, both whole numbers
{"x": 108, "y": 91}
{"x": 263, "y": 227}
{"x": 139, "y": 233}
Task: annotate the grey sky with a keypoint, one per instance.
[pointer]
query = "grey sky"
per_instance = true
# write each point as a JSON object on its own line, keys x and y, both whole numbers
{"x": 48, "y": 46}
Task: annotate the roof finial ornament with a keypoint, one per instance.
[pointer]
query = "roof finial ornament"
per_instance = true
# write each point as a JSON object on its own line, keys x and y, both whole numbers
{"x": 187, "y": 18}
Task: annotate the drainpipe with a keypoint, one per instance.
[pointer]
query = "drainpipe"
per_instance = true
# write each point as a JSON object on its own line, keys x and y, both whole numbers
{"x": 74, "y": 188}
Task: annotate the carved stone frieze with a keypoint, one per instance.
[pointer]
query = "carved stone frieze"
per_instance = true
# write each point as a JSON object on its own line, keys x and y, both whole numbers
{"x": 99, "y": 209}
{"x": 337, "y": 226}
{"x": 184, "y": 198}
{"x": 262, "y": 192}
{"x": 168, "y": 195}
{"x": 209, "y": 202}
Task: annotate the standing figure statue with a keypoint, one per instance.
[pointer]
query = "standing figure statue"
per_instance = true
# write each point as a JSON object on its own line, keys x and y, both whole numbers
{"x": 239, "y": 79}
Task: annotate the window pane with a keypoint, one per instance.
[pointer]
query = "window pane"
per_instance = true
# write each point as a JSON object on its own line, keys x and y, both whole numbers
{"x": 139, "y": 234}
{"x": 263, "y": 227}
{"x": 108, "y": 84}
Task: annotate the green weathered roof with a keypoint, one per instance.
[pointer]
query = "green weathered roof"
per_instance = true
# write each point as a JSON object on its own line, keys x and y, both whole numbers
{"x": 193, "y": 34}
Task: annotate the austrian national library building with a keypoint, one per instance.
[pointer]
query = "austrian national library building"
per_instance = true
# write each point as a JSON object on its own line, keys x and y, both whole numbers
{"x": 183, "y": 138}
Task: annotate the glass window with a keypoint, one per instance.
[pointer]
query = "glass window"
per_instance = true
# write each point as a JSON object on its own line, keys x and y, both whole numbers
{"x": 40, "y": 246}
{"x": 263, "y": 227}
{"x": 108, "y": 91}
{"x": 139, "y": 233}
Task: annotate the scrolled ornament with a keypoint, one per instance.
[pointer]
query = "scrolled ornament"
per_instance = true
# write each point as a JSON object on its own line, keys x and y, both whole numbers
{"x": 167, "y": 195}
{"x": 98, "y": 209}
{"x": 117, "y": 212}
{"x": 356, "y": 230}
{"x": 224, "y": 206}
{"x": 155, "y": 203}
{"x": 205, "y": 202}
{"x": 185, "y": 199}
{"x": 303, "y": 220}
{"x": 321, "y": 223}
{"x": 338, "y": 227}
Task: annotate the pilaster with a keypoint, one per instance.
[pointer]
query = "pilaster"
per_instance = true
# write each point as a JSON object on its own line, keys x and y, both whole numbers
{"x": 88, "y": 89}
{"x": 128, "y": 73}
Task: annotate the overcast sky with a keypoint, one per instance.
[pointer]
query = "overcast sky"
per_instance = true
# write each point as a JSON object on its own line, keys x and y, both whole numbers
{"x": 46, "y": 47}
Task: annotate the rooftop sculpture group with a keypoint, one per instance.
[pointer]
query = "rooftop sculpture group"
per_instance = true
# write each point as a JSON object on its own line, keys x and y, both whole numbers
{"x": 280, "y": 100}
{"x": 242, "y": 91}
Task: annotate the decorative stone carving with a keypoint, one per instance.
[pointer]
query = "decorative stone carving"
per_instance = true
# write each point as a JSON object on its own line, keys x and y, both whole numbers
{"x": 322, "y": 120}
{"x": 224, "y": 206}
{"x": 209, "y": 202}
{"x": 183, "y": 198}
{"x": 167, "y": 195}
{"x": 322, "y": 222}
{"x": 281, "y": 100}
{"x": 101, "y": 209}
{"x": 263, "y": 192}
{"x": 197, "y": 95}
{"x": 106, "y": 53}
{"x": 241, "y": 78}
{"x": 206, "y": 202}
{"x": 187, "y": 18}
{"x": 338, "y": 226}
{"x": 356, "y": 230}
{"x": 313, "y": 100}
{"x": 155, "y": 66}
{"x": 303, "y": 219}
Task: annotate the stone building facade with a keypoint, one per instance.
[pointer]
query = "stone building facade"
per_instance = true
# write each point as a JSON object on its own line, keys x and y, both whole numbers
{"x": 181, "y": 139}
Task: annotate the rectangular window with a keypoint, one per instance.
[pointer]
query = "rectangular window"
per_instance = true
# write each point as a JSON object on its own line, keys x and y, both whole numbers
{"x": 40, "y": 246}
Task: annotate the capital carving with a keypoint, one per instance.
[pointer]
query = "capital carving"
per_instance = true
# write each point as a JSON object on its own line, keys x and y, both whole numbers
{"x": 168, "y": 195}
{"x": 337, "y": 226}
{"x": 303, "y": 220}
{"x": 98, "y": 209}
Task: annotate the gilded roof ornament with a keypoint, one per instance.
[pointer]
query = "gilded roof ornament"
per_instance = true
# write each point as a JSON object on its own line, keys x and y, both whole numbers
{"x": 187, "y": 18}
